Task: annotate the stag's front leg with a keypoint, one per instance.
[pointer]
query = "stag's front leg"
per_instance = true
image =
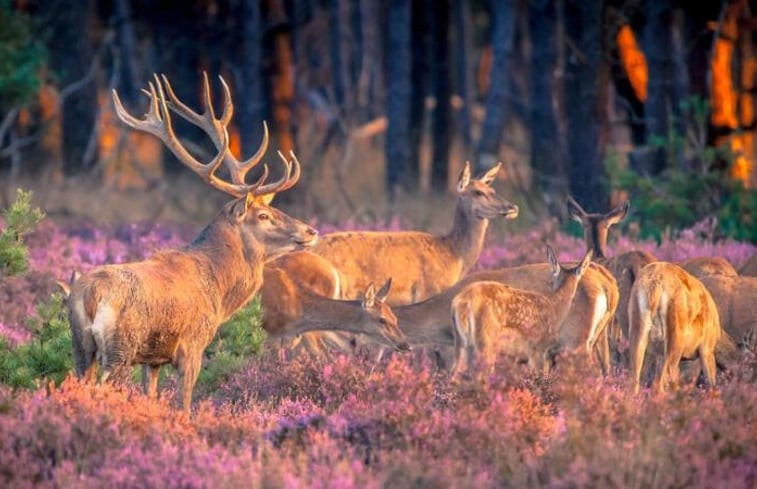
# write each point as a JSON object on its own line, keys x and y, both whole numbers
{"x": 150, "y": 375}
{"x": 188, "y": 364}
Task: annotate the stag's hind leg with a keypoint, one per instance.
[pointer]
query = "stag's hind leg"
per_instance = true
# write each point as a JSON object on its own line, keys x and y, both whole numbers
{"x": 709, "y": 366}
{"x": 188, "y": 363}
{"x": 150, "y": 375}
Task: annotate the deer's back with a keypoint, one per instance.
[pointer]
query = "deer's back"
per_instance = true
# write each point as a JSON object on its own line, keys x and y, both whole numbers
{"x": 418, "y": 264}
{"x": 749, "y": 268}
{"x": 736, "y": 300}
{"x": 709, "y": 265}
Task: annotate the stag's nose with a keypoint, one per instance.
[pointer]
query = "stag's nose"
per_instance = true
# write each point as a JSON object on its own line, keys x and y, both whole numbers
{"x": 311, "y": 232}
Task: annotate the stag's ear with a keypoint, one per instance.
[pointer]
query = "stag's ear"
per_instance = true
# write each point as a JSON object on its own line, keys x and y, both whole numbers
{"x": 554, "y": 266}
{"x": 490, "y": 175}
{"x": 464, "y": 178}
{"x": 618, "y": 214}
{"x": 384, "y": 290}
{"x": 575, "y": 211}
{"x": 369, "y": 298}
{"x": 240, "y": 206}
{"x": 581, "y": 268}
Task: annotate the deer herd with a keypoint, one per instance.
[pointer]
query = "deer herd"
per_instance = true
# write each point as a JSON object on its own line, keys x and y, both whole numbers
{"x": 319, "y": 293}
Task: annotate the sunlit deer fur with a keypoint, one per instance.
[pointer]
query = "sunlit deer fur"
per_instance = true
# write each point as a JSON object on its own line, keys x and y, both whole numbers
{"x": 290, "y": 309}
{"x": 749, "y": 269}
{"x": 419, "y": 263}
{"x": 736, "y": 300}
{"x": 671, "y": 313}
{"x": 167, "y": 308}
{"x": 704, "y": 266}
{"x": 491, "y": 318}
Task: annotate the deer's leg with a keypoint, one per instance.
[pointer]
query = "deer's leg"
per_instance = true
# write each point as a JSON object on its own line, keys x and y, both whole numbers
{"x": 603, "y": 348}
{"x": 638, "y": 352}
{"x": 150, "y": 375}
{"x": 709, "y": 366}
{"x": 188, "y": 364}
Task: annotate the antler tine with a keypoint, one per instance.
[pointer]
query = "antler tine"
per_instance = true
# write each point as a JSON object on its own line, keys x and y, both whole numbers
{"x": 205, "y": 121}
{"x": 290, "y": 177}
{"x": 206, "y": 96}
{"x": 228, "y": 107}
{"x": 245, "y": 166}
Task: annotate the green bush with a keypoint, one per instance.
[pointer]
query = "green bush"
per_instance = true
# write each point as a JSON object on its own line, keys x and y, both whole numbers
{"x": 21, "y": 56}
{"x": 20, "y": 218}
{"x": 684, "y": 194}
{"x": 47, "y": 356}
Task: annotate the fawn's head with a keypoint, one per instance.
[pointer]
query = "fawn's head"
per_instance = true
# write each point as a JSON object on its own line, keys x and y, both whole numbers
{"x": 596, "y": 225}
{"x": 478, "y": 197}
{"x": 561, "y": 272}
{"x": 378, "y": 316}
{"x": 250, "y": 212}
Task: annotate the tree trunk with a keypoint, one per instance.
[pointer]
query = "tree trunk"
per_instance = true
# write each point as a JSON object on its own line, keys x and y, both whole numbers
{"x": 585, "y": 103}
{"x": 503, "y": 40}
{"x": 252, "y": 106}
{"x": 441, "y": 117}
{"x": 128, "y": 81}
{"x": 398, "y": 94}
{"x": 463, "y": 51}
{"x": 419, "y": 67}
{"x": 547, "y": 147}
{"x": 338, "y": 72}
{"x": 282, "y": 89}
{"x": 71, "y": 57}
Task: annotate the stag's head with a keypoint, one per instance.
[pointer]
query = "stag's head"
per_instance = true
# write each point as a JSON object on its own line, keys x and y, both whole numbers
{"x": 596, "y": 226}
{"x": 561, "y": 272}
{"x": 250, "y": 212}
{"x": 479, "y": 199}
{"x": 379, "y": 318}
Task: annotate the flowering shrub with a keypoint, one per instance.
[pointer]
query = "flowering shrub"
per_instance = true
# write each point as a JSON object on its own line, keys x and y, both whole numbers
{"x": 353, "y": 422}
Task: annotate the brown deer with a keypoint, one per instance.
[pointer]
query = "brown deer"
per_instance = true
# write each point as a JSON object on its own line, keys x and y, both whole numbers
{"x": 736, "y": 300}
{"x": 626, "y": 266}
{"x": 749, "y": 269}
{"x": 167, "y": 308}
{"x": 492, "y": 318}
{"x": 419, "y": 263}
{"x": 291, "y": 309}
{"x": 673, "y": 311}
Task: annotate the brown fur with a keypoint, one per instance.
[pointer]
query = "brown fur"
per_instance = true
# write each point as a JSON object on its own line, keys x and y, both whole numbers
{"x": 709, "y": 265}
{"x": 420, "y": 264}
{"x": 167, "y": 308}
{"x": 673, "y": 311}
{"x": 736, "y": 300}
{"x": 749, "y": 268}
{"x": 491, "y": 318}
{"x": 291, "y": 307}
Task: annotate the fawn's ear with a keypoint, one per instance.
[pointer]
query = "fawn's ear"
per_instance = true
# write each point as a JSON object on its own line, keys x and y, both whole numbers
{"x": 618, "y": 214}
{"x": 554, "y": 266}
{"x": 464, "y": 179}
{"x": 575, "y": 211}
{"x": 581, "y": 268}
{"x": 490, "y": 175}
{"x": 369, "y": 298}
{"x": 384, "y": 290}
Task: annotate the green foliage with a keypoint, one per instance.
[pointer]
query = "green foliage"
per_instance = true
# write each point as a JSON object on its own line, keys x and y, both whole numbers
{"x": 20, "y": 218}
{"x": 690, "y": 191}
{"x": 47, "y": 355}
{"x": 237, "y": 340}
{"x": 21, "y": 56}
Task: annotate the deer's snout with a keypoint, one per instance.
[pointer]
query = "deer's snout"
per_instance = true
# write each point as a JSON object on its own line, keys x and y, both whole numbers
{"x": 308, "y": 237}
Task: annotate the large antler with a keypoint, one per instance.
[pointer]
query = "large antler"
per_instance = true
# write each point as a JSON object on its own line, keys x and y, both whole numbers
{"x": 158, "y": 122}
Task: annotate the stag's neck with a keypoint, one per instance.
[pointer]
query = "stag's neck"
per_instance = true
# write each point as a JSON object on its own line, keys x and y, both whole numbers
{"x": 561, "y": 300}
{"x": 232, "y": 265}
{"x": 466, "y": 239}
{"x": 426, "y": 322}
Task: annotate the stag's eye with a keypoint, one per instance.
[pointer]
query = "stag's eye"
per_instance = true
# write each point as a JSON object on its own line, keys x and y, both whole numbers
{"x": 263, "y": 217}
{"x": 479, "y": 193}
{"x": 382, "y": 321}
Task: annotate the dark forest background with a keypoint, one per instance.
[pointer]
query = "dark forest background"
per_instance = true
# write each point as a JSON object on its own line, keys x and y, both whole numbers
{"x": 384, "y": 100}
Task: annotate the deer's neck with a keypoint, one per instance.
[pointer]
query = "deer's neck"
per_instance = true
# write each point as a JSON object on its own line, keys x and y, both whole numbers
{"x": 561, "y": 300}
{"x": 466, "y": 239}
{"x": 426, "y": 322}
{"x": 321, "y": 313}
{"x": 596, "y": 242}
{"x": 231, "y": 265}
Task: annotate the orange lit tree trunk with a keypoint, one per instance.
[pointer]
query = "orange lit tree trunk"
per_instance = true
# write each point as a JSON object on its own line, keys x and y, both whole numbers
{"x": 250, "y": 93}
{"x": 282, "y": 89}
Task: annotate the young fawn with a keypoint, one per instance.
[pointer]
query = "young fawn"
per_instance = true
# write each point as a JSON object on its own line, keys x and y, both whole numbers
{"x": 491, "y": 318}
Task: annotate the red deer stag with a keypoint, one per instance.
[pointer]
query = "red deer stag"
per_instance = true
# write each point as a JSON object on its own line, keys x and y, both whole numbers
{"x": 492, "y": 318}
{"x": 167, "y": 308}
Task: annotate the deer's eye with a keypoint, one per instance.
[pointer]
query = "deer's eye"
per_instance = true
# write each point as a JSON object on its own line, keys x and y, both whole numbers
{"x": 479, "y": 193}
{"x": 263, "y": 217}
{"x": 382, "y": 321}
